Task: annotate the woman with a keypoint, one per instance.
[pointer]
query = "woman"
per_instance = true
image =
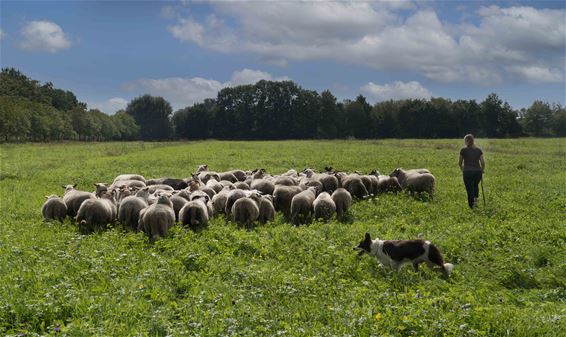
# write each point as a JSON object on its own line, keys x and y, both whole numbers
{"x": 472, "y": 165}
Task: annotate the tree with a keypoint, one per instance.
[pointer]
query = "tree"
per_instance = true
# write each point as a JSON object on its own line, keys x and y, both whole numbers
{"x": 537, "y": 120}
{"x": 152, "y": 114}
{"x": 498, "y": 119}
{"x": 329, "y": 116}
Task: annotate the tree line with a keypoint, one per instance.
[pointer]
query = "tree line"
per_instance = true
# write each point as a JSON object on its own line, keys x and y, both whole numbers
{"x": 31, "y": 111}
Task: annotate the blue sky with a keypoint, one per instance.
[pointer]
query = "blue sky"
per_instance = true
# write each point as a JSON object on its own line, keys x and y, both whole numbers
{"x": 110, "y": 52}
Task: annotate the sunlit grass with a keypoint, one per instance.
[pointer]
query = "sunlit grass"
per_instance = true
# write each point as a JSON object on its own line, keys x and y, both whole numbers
{"x": 509, "y": 279}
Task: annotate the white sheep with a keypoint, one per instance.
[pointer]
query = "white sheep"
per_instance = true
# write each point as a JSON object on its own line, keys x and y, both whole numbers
{"x": 195, "y": 214}
{"x": 283, "y": 196}
{"x": 73, "y": 199}
{"x": 130, "y": 207}
{"x": 301, "y": 206}
{"x": 246, "y": 210}
{"x": 156, "y": 219}
{"x": 343, "y": 200}
{"x": 415, "y": 181}
{"x": 54, "y": 208}
{"x": 324, "y": 207}
{"x": 94, "y": 214}
{"x": 266, "y": 209}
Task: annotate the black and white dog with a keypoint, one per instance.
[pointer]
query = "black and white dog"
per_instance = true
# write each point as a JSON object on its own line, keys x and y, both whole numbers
{"x": 395, "y": 253}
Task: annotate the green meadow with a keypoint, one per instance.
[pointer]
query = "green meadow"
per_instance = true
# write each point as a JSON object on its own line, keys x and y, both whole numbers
{"x": 278, "y": 280}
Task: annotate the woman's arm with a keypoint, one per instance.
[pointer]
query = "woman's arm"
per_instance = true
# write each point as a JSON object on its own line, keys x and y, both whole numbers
{"x": 461, "y": 163}
{"x": 482, "y": 163}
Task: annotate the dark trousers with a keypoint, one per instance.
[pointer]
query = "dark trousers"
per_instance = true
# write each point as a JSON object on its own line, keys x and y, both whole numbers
{"x": 472, "y": 180}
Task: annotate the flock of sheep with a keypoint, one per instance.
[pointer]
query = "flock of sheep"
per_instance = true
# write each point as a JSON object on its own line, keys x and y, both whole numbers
{"x": 154, "y": 205}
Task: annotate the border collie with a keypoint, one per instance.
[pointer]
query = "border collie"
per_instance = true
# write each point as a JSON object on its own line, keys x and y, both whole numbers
{"x": 395, "y": 253}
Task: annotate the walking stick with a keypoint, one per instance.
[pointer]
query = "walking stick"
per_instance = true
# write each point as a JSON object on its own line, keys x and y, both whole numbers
{"x": 482, "y": 191}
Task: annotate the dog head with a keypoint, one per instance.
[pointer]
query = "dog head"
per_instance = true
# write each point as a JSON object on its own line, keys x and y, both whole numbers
{"x": 365, "y": 245}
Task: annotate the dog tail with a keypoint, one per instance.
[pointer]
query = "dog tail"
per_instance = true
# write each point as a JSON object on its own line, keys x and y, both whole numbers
{"x": 448, "y": 268}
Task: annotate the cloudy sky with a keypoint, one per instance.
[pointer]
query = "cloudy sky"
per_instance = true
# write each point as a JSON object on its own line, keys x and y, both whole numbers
{"x": 109, "y": 52}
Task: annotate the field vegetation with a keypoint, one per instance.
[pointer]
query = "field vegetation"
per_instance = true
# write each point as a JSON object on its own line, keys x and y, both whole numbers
{"x": 279, "y": 280}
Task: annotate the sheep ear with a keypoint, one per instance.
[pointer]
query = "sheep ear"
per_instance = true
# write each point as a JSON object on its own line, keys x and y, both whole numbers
{"x": 65, "y": 187}
{"x": 368, "y": 237}
{"x": 46, "y": 197}
{"x": 74, "y": 185}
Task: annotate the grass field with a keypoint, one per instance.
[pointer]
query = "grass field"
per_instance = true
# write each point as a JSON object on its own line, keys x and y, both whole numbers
{"x": 278, "y": 280}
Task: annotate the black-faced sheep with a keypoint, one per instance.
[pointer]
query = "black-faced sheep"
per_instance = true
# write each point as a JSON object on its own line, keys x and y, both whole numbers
{"x": 95, "y": 214}
{"x": 214, "y": 185}
{"x": 74, "y": 198}
{"x": 415, "y": 181}
{"x": 301, "y": 206}
{"x": 54, "y": 208}
{"x": 343, "y": 200}
{"x": 194, "y": 214}
{"x": 285, "y": 180}
{"x": 242, "y": 185}
{"x": 219, "y": 201}
{"x": 228, "y": 176}
{"x": 329, "y": 182}
{"x": 283, "y": 196}
{"x": 324, "y": 206}
{"x": 156, "y": 219}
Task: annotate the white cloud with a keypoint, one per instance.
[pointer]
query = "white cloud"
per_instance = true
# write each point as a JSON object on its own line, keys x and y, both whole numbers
{"x": 536, "y": 74}
{"x": 404, "y": 35}
{"x": 2, "y": 34}
{"x": 183, "y": 92}
{"x": 395, "y": 90}
{"x": 111, "y": 105}
{"x": 44, "y": 36}
{"x": 249, "y": 76}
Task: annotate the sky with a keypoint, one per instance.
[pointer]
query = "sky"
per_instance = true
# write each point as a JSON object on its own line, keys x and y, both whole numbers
{"x": 109, "y": 52}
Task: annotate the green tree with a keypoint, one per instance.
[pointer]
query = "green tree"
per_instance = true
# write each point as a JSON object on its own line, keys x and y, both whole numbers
{"x": 152, "y": 114}
{"x": 537, "y": 120}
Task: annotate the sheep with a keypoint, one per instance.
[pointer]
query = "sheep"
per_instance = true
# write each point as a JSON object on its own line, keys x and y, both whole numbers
{"x": 175, "y": 183}
{"x": 205, "y": 176}
{"x": 324, "y": 206}
{"x": 54, "y": 208}
{"x": 219, "y": 201}
{"x": 354, "y": 184}
{"x": 159, "y": 188}
{"x": 194, "y": 214}
{"x": 231, "y": 199}
{"x": 262, "y": 185}
{"x": 94, "y": 214}
{"x": 178, "y": 203}
{"x": 283, "y": 196}
{"x": 242, "y": 185}
{"x": 228, "y": 176}
{"x": 291, "y": 173}
{"x": 308, "y": 182}
{"x": 415, "y": 181}
{"x": 387, "y": 184}
{"x": 239, "y": 174}
{"x": 226, "y": 183}
{"x": 266, "y": 209}
{"x": 285, "y": 180}
{"x": 124, "y": 177}
{"x": 100, "y": 188}
{"x": 370, "y": 182}
{"x": 202, "y": 168}
{"x": 74, "y": 198}
{"x": 183, "y": 194}
{"x": 156, "y": 219}
{"x": 215, "y": 185}
{"x": 301, "y": 206}
{"x": 128, "y": 183}
{"x": 343, "y": 200}
{"x": 130, "y": 208}
{"x": 246, "y": 210}
{"x": 329, "y": 182}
